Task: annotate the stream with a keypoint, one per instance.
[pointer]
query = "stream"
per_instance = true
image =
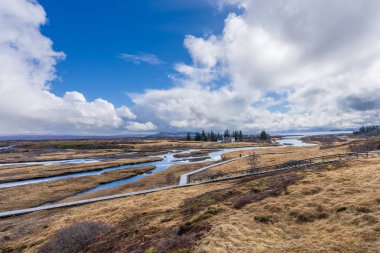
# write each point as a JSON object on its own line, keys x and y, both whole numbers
{"x": 168, "y": 160}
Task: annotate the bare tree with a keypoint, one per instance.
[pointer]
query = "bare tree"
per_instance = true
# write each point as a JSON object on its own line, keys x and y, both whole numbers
{"x": 170, "y": 178}
{"x": 253, "y": 160}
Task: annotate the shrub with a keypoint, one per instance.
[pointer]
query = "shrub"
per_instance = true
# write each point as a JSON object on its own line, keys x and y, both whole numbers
{"x": 75, "y": 238}
{"x": 170, "y": 178}
{"x": 341, "y": 209}
{"x": 311, "y": 190}
{"x": 363, "y": 209}
{"x": 308, "y": 214}
{"x": 263, "y": 219}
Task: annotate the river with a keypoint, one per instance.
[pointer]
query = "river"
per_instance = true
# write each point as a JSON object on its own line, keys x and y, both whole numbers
{"x": 168, "y": 160}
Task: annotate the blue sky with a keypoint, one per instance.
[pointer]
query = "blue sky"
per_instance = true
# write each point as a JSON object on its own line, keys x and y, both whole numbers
{"x": 122, "y": 67}
{"x": 92, "y": 33}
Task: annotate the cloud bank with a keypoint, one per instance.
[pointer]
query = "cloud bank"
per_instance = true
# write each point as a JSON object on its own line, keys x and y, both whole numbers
{"x": 27, "y": 66}
{"x": 289, "y": 64}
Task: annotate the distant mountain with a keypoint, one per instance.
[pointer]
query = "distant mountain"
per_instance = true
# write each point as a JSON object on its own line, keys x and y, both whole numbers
{"x": 63, "y": 137}
{"x": 167, "y": 135}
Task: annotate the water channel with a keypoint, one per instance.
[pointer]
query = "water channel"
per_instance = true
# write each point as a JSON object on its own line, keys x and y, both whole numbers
{"x": 168, "y": 160}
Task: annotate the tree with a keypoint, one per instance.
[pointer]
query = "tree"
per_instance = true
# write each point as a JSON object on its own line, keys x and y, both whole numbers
{"x": 253, "y": 160}
{"x": 264, "y": 135}
{"x": 188, "y": 137}
{"x": 213, "y": 136}
{"x": 197, "y": 137}
{"x": 203, "y": 136}
{"x": 368, "y": 129}
{"x": 235, "y": 134}
{"x": 227, "y": 133}
{"x": 240, "y": 136}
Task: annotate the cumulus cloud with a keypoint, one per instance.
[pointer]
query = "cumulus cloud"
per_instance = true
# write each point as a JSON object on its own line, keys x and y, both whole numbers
{"x": 321, "y": 56}
{"x": 142, "y": 58}
{"x": 140, "y": 127}
{"x": 27, "y": 66}
{"x": 125, "y": 112}
{"x": 276, "y": 65}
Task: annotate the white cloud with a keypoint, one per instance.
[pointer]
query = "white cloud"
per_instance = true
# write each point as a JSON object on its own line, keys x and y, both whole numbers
{"x": 323, "y": 55}
{"x": 142, "y": 58}
{"x": 278, "y": 65}
{"x": 140, "y": 127}
{"x": 125, "y": 112}
{"x": 27, "y": 66}
{"x": 223, "y": 3}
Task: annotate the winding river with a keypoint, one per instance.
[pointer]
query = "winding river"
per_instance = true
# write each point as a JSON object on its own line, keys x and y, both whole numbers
{"x": 168, "y": 160}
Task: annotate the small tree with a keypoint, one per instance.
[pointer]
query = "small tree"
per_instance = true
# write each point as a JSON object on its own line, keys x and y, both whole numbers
{"x": 188, "y": 137}
{"x": 253, "y": 160}
{"x": 197, "y": 137}
{"x": 264, "y": 135}
{"x": 170, "y": 178}
{"x": 235, "y": 134}
{"x": 203, "y": 136}
{"x": 213, "y": 136}
{"x": 240, "y": 136}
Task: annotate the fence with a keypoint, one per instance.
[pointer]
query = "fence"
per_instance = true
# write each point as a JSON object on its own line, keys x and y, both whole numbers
{"x": 283, "y": 166}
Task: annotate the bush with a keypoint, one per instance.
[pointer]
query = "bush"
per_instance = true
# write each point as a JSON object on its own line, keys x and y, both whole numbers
{"x": 363, "y": 209}
{"x": 75, "y": 238}
{"x": 341, "y": 209}
{"x": 170, "y": 178}
{"x": 308, "y": 214}
{"x": 263, "y": 219}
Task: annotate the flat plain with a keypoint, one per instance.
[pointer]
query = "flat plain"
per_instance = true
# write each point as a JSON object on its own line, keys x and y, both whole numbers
{"x": 326, "y": 208}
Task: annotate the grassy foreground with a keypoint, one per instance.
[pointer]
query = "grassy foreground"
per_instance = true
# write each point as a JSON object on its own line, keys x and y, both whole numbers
{"x": 334, "y": 208}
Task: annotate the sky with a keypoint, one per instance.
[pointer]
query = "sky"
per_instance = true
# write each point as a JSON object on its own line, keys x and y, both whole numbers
{"x": 122, "y": 67}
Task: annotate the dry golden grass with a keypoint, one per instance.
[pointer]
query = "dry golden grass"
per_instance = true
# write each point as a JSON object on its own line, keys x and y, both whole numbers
{"x": 155, "y": 180}
{"x": 175, "y": 144}
{"x": 270, "y": 156}
{"x": 122, "y": 148}
{"x": 331, "y": 211}
{"x": 27, "y": 233}
{"x": 16, "y": 173}
{"x": 32, "y": 195}
{"x": 43, "y": 155}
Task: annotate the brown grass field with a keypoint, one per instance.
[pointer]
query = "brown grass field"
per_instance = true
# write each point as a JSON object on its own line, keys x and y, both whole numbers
{"x": 16, "y": 173}
{"x": 333, "y": 208}
{"x": 25, "y": 196}
{"x": 329, "y": 208}
{"x": 26, "y": 151}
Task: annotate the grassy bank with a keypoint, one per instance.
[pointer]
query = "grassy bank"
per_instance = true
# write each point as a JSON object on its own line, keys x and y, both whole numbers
{"x": 32, "y": 195}
{"x": 24, "y": 172}
{"x": 332, "y": 208}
